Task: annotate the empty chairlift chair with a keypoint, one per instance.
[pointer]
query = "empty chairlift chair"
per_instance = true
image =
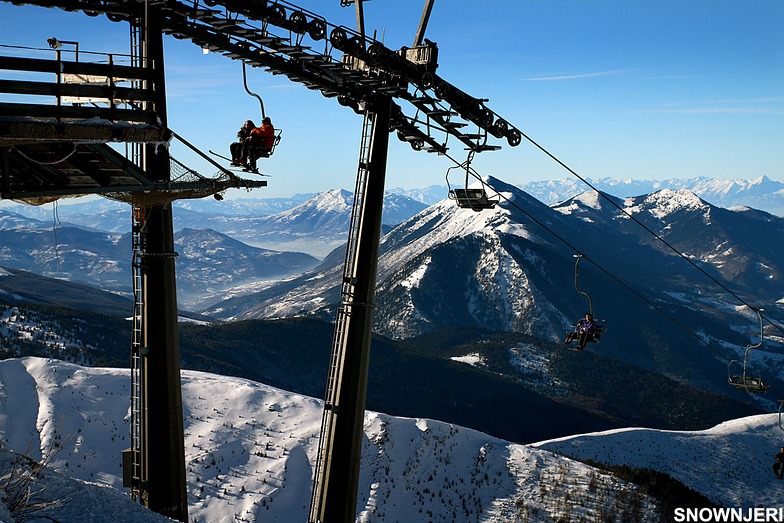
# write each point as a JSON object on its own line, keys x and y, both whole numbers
{"x": 739, "y": 375}
{"x": 471, "y": 198}
{"x": 474, "y": 198}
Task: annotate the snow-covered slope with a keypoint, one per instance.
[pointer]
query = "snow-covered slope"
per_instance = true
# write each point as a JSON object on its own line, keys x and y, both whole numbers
{"x": 730, "y": 463}
{"x": 742, "y": 245}
{"x": 250, "y": 450}
{"x": 54, "y": 496}
{"x": 443, "y": 266}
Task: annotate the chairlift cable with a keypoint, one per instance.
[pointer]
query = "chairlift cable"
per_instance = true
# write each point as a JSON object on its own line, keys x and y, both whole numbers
{"x": 654, "y": 234}
{"x": 672, "y": 248}
{"x": 675, "y": 321}
{"x": 621, "y": 282}
{"x": 601, "y": 268}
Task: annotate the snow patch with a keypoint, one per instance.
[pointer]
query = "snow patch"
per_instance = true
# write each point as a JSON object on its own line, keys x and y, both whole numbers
{"x": 474, "y": 359}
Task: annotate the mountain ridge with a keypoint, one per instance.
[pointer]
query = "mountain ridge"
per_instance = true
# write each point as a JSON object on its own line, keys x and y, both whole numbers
{"x": 513, "y": 268}
{"x": 762, "y": 193}
{"x": 250, "y": 449}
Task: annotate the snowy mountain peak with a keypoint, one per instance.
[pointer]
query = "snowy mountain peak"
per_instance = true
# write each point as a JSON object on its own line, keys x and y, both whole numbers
{"x": 333, "y": 201}
{"x": 666, "y": 202}
{"x": 589, "y": 201}
{"x": 445, "y": 221}
{"x": 760, "y": 193}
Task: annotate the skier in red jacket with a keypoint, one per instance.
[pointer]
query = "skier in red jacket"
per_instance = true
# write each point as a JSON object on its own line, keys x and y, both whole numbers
{"x": 259, "y": 143}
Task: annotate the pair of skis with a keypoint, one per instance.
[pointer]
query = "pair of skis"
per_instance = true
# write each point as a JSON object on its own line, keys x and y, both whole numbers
{"x": 240, "y": 167}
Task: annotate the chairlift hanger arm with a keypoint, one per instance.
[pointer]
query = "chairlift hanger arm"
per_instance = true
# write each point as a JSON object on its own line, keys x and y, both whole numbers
{"x": 762, "y": 330}
{"x": 247, "y": 90}
{"x": 781, "y": 414}
{"x": 577, "y": 282}
{"x": 744, "y": 381}
{"x": 420, "y": 34}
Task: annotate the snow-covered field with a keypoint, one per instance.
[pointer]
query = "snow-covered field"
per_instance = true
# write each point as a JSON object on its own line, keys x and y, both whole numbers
{"x": 731, "y": 463}
{"x": 250, "y": 450}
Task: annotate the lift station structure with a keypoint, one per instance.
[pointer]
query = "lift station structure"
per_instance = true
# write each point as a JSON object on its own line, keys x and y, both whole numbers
{"x": 61, "y": 148}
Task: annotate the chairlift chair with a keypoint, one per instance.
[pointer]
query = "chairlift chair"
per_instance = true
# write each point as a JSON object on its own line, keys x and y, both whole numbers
{"x": 596, "y": 332}
{"x": 474, "y": 198}
{"x": 258, "y": 152}
{"x": 742, "y": 380}
{"x": 600, "y": 327}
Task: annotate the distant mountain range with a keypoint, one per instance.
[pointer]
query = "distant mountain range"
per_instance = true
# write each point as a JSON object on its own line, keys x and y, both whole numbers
{"x": 209, "y": 262}
{"x": 761, "y": 193}
{"x": 314, "y": 224}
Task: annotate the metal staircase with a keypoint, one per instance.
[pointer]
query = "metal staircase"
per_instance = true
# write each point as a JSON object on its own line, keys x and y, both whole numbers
{"x": 138, "y": 351}
{"x": 332, "y": 399}
{"x": 341, "y": 63}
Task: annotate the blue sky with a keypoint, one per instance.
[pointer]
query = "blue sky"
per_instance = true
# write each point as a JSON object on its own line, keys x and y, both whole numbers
{"x": 625, "y": 89}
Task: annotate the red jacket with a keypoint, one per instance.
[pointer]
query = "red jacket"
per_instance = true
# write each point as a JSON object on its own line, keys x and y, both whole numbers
{"x": 264, "y": 136}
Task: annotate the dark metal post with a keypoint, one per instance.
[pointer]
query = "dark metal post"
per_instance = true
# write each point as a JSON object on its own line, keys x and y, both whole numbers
{"x": 420, "y": 34}
{"x": 360, "y": 8}
{"x": 162, "y": 440}
{"x": 340, "y": 479}
{"x": 6, "y": 173}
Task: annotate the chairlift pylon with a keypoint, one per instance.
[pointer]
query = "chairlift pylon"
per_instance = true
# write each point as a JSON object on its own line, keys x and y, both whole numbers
{"x": 781, "y": 414}
{"x": 474, "y": 198}
{"x": 743, "y": 380}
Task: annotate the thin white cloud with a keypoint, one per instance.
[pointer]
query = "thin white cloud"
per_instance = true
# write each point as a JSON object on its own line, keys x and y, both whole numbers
{"x": 577, "y": 76}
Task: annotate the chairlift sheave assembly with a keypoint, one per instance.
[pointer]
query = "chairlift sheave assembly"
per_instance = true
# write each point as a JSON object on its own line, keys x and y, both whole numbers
{"x": 474, "y": 198}
{"x": 743, "y": 380}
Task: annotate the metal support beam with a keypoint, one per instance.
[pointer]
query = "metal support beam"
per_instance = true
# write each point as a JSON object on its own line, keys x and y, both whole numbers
{"x": 162, "y": 439}
{"x": 337, "y": 475}
{"x": 420, "y": 34}
{"x": 360, "y": 17}
{"x": 5, "y": 184}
